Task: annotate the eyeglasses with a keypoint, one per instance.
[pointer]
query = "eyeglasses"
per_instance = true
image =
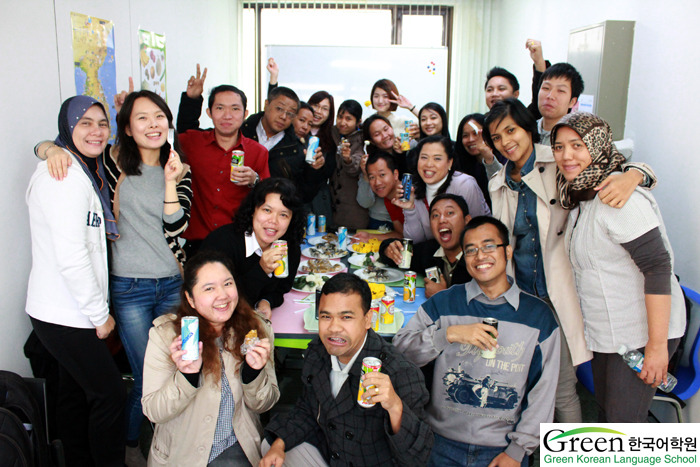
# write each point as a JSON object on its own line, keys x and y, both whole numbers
{"x": 486, "y": 249}
{"x": 290, "y": 115}
{"x": 318, "y": 108}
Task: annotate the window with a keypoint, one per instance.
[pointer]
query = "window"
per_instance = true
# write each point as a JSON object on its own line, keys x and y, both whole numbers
{"x": 338, "y": 24}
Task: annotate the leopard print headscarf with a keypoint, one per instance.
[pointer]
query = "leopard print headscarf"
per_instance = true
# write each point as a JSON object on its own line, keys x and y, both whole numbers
{"x": 605, "y": 158}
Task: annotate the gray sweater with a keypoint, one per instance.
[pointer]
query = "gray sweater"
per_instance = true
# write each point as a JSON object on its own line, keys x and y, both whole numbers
{"x": 142, "y": 250}
{"x": 496, "y": 402}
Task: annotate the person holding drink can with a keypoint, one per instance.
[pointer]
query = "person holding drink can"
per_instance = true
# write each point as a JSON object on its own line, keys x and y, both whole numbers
{"x": 384, "y": 425}
{"x": 449, "y": 214}
{"x": 436, "y": 175}
{"x": 496, "y": 358}
{"x": 271, "y": 212}
{"x": 206, "y": 409}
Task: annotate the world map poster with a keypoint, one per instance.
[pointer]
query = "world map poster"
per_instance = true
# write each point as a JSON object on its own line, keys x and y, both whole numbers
{"x": 93, "y": 58}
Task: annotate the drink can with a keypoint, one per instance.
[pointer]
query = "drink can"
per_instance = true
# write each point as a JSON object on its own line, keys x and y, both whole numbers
{"x": 318, "y": 302}
{"x": 311, "y": 149}
{"x": 282, "y": 269}
{"x": 490, "y": 353}
{"x": 409, "y": 286}
{"x": 406, "y": 124}
{"x": 343, "y": 237}
{"x": 433, "y": 274}
{"x": 406, "y": 253}
{"x": 387, "y": 310}
{"x": 321, "y": 223}
{"x": 405, "y": 142}
{"x": 190, "y": 337}
{"x": 375, "y": 309}
{"x": 311, "y": 224}
{"x": 237, "y": 158}
{"x": 406, "y": 183}
{"x": 340, "y": 145}
{"x": 369, "y": 364}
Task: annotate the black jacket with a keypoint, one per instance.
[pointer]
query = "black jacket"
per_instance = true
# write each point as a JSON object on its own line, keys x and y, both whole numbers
{"x": 423, "y": 259}
{"x": 344, "y": 432}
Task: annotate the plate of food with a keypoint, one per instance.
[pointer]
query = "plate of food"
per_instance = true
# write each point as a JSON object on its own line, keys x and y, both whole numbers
{"x": 328, "y": 237}
{"x": 379, "y": 275}
{"x": 370, "y": 246}
{"x": 324, "y": 250}
{"x": 363, "y": 260}
{"x": 321, "y": 266}
{"x": 309, "y": 283}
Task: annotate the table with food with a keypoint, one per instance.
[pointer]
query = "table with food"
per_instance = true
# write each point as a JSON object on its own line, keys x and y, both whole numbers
{"x": 395, "y": 297}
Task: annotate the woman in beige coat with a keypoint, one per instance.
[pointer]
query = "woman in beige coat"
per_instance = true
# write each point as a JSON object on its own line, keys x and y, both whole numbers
{"x": 531, "y": 173}
{"x": 206, "y": 410}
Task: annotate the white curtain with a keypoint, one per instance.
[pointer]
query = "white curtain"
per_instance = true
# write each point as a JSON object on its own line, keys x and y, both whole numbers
{"x": 471, "y": 59}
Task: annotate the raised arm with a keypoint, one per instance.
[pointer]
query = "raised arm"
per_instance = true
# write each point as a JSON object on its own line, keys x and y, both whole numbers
{"x": 539, "y": 66}
{"x": 191, "y": 102}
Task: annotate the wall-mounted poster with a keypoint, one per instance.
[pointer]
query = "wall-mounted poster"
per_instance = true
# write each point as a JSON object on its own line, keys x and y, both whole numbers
{"x": 93, "y": 58}
{"x": 152, "y": 59}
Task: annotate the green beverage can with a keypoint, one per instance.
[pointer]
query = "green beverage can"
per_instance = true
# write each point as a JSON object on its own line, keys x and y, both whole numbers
{"x": 237, "y": 158}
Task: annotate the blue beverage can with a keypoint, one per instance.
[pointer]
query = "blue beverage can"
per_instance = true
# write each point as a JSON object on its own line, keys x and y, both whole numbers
{"x": 406, "y": 183}
{"x": 321, "y": 224}
{"x": 311, "y": 149}
{"x": 311, "y": 224}
{"x": 190, "y": 337}
{"x": 343, "y": 237}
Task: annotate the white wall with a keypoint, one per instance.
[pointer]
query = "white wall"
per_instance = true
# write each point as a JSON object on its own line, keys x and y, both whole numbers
{"x": 663, "y": 100}
{"x": 36, "y": 53}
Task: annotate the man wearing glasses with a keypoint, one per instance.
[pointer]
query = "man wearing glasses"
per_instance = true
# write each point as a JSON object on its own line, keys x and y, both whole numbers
{"x": 486, "y": 407}
{"x": 273, "y": 129}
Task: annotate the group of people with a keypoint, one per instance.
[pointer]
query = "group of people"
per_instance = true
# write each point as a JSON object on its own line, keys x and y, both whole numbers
{"x": 531, "y": 216}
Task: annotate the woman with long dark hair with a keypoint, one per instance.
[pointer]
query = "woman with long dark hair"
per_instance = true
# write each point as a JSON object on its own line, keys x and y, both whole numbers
{"x": 472, "y": 155}
{"x": 207, "y": 410}
{"x": 152, "y": 200}
{"x": 385, "y": 99}
{"x": 271, "y": 211}
{"x": 322, "y": 126}
{"x": 623, "y": 266}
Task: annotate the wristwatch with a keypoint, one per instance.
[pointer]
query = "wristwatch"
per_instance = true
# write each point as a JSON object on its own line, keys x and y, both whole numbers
{"x": 255, "y": 182}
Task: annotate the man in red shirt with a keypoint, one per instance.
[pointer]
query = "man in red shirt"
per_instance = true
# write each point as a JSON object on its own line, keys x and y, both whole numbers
{"x": 218, "y": 189}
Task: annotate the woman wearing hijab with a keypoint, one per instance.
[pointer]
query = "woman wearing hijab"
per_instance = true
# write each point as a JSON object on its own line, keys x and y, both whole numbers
{"x": 67, "y": 291}
{"x": 623, "y": 266}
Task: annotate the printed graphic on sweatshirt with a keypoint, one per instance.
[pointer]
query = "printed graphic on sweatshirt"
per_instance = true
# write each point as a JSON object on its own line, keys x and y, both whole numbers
{"x": 94, "y": 219}
{"x": 486, "y": 392}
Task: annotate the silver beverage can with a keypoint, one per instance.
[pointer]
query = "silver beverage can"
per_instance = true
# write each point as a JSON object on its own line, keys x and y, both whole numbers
{"x": 321, "y": 224}
{"x": 190, "y": 337}
{"x": 490, "y": 353}
{"x": 311, "y": 149}
{"x": 406, "y": 253}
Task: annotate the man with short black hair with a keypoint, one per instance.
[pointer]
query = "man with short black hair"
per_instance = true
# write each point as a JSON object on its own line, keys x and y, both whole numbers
{"x": 218, "y": 189}
{"x": 449, "y": 214}
{"x": 559, "y": 91}
{"x": 486, "y": 409}
{"x": 327, "y": 425}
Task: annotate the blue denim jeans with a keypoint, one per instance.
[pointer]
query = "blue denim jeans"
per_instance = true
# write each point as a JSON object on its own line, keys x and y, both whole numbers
{"x": 136, "y": 303}
{"x": 450, "y": 453}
